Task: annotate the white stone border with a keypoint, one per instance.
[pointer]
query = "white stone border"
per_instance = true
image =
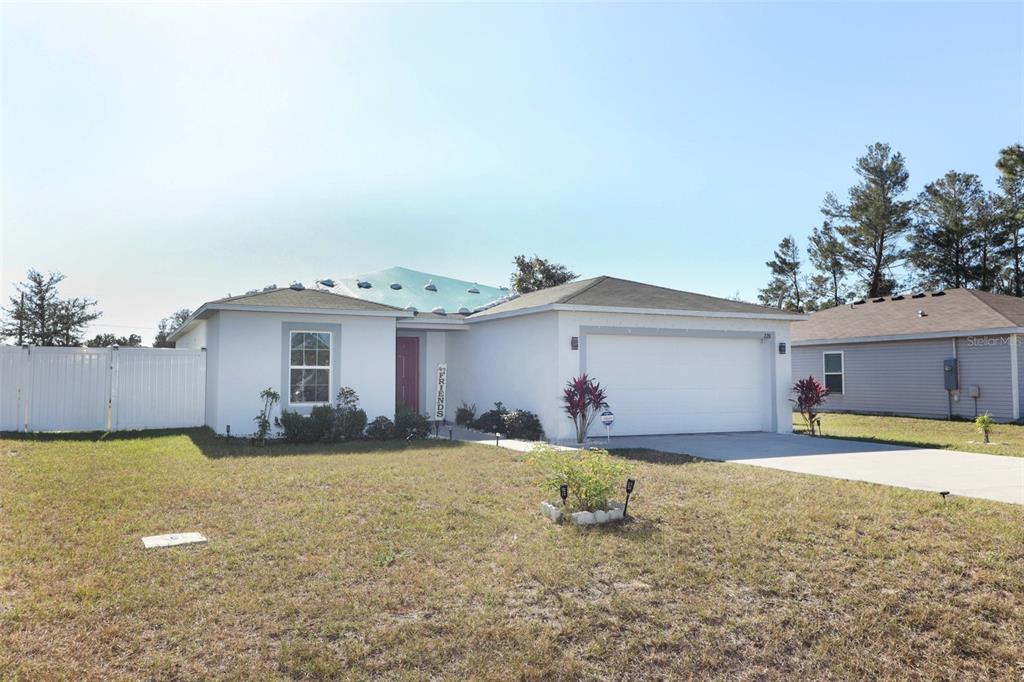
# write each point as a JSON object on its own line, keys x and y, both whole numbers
{"x": 615, "y": 512}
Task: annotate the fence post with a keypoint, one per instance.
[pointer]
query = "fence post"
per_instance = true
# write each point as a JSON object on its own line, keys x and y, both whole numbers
{"x": 25, "y": 382}
{"x": 110, "y": 387}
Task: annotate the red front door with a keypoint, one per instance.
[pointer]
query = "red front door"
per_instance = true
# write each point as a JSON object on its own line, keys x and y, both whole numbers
{"x": 407, "y": 372}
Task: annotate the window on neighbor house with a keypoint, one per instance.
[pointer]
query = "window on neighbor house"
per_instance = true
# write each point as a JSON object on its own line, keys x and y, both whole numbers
{"x": 834, "y": 378}
{"x": 309, "y": 368}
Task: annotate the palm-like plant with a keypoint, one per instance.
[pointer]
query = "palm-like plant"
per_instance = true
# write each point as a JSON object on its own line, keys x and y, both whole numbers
{"x": 810, "y": 395}
{"x": 582, "y": 399}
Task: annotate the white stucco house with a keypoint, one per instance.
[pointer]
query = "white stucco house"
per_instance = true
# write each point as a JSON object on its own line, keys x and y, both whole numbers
{"x": 672, "y": 361}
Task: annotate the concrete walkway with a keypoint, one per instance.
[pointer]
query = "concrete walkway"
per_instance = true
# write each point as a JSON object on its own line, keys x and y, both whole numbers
{"x": 992, "y": 477}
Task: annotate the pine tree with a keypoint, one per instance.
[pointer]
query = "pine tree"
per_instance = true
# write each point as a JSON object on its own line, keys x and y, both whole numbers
{"x": 785, "y": 289}
{"x": 951, "y": 238}
{"x": 1009, "y": 207}
{"x": 827, "y": 254}
{"x": 875, "y": 219}
{"x": 39, "y": 316}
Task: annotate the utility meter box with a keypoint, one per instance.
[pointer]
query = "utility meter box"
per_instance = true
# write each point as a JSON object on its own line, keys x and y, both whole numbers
{"x": 974, "y": 391}
{"x": 949, "y": 374}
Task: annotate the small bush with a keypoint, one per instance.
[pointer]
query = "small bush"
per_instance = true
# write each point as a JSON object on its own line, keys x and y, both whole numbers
{"x": 349, "y": 419}
{"x": 492, "y": 421}
{"x": 411, "y": 423}
{"x": 984, "y": 424}
{"x": 318, "y": 426}
{"x": 381, "y": 428}
{"x": 465, "y": 414}
{"x": 522, "y": 424}
{"x": 593, "y": 476}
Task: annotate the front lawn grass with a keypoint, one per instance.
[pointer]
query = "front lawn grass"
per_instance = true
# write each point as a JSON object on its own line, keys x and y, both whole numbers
{"x": 1007, "y": 439}
{"x": 432, "y": 562}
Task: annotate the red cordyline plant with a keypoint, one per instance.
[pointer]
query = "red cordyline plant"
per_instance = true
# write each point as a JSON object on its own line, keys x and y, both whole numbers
{"x": 583, "y": 398}
{"x": 810, "y": 395}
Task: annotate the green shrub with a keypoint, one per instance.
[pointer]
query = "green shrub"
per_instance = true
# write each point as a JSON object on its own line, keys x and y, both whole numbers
{"x": 522, "y": 424}
{"x": 316, "y": 427}
{"x": 593, "y": 476}
{"x": 465, "y": 414}
{"x": 411, "y": 423}
{"x": 349, "y": 419}
{"x": 381, "y": 428}
{"x": 492, "y": 421}
{"x": 984, "y": 423}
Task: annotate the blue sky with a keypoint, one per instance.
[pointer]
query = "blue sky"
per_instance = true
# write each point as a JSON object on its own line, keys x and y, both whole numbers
{"x": 164, "y": 155}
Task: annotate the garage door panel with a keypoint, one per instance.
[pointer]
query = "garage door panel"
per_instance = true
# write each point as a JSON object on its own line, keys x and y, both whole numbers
{"x": 682, "y": 384}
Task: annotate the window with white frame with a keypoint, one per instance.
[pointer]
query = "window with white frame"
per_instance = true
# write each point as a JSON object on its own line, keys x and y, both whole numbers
{"x": 309, "y": 370}
{"x": 834, "y": 379}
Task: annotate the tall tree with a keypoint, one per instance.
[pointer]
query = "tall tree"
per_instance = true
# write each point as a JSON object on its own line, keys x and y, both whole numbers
{"x": 533, "y": 274}
{"x": 39, "y": 316}
{"x": 949, "y": 236}
{"x": 168, "y": 325}
{"x": 874, "y": 218}
{"x": 785, "y": 288}
{"x": 1009, "y": 206}
{"x": 105, "y": 340}
{"x": 827, "y": 254}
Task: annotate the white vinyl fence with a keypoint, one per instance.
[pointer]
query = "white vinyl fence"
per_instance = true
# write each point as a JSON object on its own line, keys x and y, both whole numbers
{"x": 101, "y": 389}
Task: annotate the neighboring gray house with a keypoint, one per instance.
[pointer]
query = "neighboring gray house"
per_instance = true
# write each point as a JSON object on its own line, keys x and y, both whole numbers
{"x": 952, "y": 353}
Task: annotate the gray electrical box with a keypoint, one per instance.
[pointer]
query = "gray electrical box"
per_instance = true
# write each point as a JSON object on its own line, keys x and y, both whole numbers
{"x": 974, "y": 391}
{"x": 949, "y": 374}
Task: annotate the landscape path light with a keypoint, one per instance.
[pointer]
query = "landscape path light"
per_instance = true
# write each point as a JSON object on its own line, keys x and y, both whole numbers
{"x": 629, "y": 491}
{"x": 563, "y": 492}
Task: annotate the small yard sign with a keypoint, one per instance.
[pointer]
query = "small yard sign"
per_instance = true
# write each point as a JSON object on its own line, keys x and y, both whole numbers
{"x": 442, "y": 385}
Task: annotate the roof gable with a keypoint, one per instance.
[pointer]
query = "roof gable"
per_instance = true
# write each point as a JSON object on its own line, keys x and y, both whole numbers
{"x": 954, "y": 310}
{"x": 612, "y": 292}
{"x": 301, "y": 298}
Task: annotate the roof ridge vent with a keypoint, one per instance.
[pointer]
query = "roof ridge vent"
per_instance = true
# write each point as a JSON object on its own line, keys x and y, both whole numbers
{"x": 297, "y": 286}
{"x": 898, "y": 297}
{"x": 880, "y": 299}
{"x": 270, "y": 287}
{"x": 473, "y": 290}
{"x": 430, "y": 286}
{"x": 412, "y": 309}
{"x": 363, "y": 284}
{"x": 921, "y": 313}
{"x": 940, "y": 292}
{"x": 919, "y": 294}
{"x": 859, "y": 301}
{"x": 463, "y": 310}
{"x": 396, "y": 285}
{"x": 438, "y": 311}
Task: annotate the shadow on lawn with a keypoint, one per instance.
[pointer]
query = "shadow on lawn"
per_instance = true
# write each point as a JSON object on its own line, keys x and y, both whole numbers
{"x": 881, "y": 441}
{"x": 658, "y": 457}
{"x": 215, "y": 447}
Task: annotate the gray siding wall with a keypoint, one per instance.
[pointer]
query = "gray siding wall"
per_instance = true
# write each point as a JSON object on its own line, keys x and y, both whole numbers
{"x": 905, "y": 377}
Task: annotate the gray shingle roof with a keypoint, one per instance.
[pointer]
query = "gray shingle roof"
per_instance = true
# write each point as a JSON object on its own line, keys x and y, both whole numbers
{"x": 302, "y": 298}
{"x": 956, "y": 310}
{"x": 608, "y": 291}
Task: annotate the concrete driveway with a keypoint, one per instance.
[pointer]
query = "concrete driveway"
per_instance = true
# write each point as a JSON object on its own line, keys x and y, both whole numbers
{"x": 992, "y": 477}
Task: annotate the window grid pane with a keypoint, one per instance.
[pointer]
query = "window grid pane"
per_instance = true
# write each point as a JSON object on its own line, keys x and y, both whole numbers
{"x": 833, "y": 362}
{"x": 834, "y": 383}
{"x": 309, "y": 352}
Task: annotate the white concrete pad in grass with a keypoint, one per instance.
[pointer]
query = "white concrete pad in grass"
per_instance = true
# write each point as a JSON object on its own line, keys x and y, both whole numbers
{"x": 172, "y": 540}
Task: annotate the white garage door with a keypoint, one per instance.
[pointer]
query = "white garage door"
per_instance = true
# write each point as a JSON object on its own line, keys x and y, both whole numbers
{"x": 673, "y": 384}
